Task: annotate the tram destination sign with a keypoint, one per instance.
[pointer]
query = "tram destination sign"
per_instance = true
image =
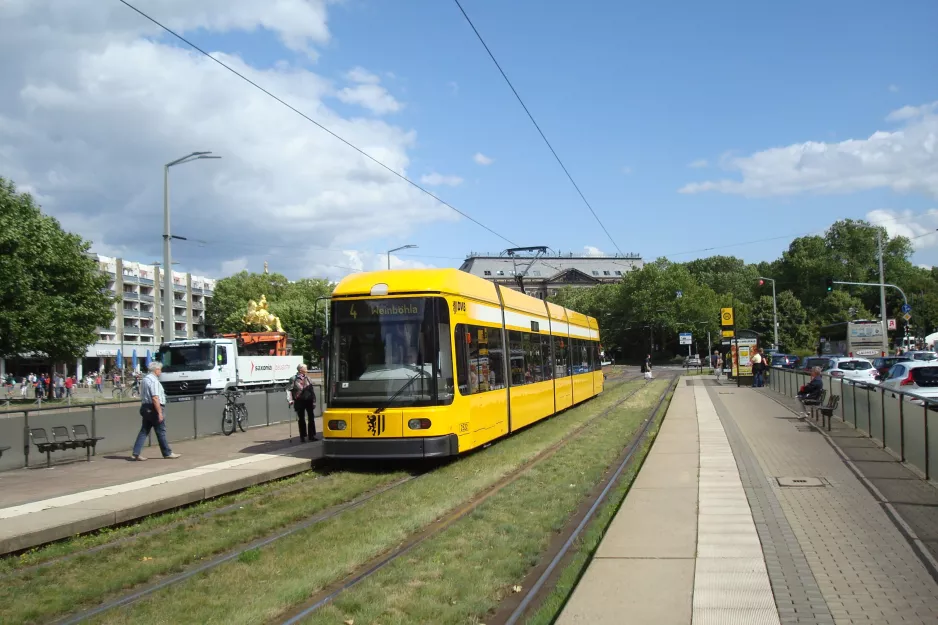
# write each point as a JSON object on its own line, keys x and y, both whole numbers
{"x": 387, "y": 310}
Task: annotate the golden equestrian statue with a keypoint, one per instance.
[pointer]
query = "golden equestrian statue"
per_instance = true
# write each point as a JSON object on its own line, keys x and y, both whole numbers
{"x": 259, "y": 315}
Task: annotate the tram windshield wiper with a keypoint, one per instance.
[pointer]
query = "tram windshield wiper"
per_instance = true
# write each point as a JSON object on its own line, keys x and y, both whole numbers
{"x": 404, "y": 387}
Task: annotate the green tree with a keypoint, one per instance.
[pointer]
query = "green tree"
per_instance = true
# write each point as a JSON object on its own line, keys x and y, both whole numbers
{"x": 295, "y": 303}
{"x": 794, "y": 331}
{"x": 51, "y": 292}
{"x": 232, "y": 295}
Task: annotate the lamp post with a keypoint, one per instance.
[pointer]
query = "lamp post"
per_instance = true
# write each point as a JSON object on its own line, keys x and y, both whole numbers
{"x": 168, "y": 309}
{"x": 396, "y": 249}
{"x": 774, "y": 309}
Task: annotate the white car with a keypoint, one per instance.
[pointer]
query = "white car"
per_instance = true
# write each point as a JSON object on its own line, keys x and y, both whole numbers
{"x": 854, "y": 369}
{"x": 919, "y": 377}
{"x": 921, "y": 355}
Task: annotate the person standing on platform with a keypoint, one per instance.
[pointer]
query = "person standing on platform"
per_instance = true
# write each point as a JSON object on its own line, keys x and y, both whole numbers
{"x": 756, "y": 362}
{"x": 302, "y": 398}
{"x": 718, "y": 364}
{"x": 152, "y": 405}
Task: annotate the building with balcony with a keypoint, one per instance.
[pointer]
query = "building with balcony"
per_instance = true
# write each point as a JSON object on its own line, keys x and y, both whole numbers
{"x": 137, "y": 327}
{"x": 546, "y": 275}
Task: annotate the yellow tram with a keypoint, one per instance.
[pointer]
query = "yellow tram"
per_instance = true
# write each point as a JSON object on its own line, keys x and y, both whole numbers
{"x": 435, "y": 362}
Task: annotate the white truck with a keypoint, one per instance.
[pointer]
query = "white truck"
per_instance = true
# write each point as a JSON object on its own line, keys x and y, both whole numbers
{"x": 203, "y": 366}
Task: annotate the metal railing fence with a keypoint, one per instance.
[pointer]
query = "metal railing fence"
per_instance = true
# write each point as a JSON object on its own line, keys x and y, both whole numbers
{"x": 902, "y": 423}
{"x": 187, "y": 417}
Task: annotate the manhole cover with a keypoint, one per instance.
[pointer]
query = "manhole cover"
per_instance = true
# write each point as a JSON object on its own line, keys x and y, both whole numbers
{"x": 796, "y": 482}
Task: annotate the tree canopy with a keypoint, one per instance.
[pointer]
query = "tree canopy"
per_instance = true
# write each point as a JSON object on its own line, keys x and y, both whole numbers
{"x": 52, "y": 295}
{"x": 650, "y": 306}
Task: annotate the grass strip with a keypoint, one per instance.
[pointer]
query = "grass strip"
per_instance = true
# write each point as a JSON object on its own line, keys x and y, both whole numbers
{"x": 85, "y": 580}
{"x": 287, "y": 572}
{"x": 114, "y": 535}
{"x": 582, "y": 553}
{"x": 462, "y": 574}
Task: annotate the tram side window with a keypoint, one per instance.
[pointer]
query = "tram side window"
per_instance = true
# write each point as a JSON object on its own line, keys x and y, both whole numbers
{"x": 547, "y": 362}
{"x": 561, "y": 345}
{"x": 534, "y": 365}
{"x": 516, "y": 351}
{"x": 481, "y": 368}
{"x": 597, "y": 357}
{"x": 462, "y": 359}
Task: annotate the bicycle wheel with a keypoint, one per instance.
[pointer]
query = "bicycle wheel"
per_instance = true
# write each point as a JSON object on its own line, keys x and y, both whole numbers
{"x": 243, "y": 417}
{"x": 227, "y": 421}
{"x": 116, "y": 393}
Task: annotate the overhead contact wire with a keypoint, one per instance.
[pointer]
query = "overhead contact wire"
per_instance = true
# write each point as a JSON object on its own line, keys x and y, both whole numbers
{"x": 541, "y": 132}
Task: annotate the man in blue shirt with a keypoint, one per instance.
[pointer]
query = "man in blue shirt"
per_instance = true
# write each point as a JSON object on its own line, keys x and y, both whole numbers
{"x": 152, "y": 404}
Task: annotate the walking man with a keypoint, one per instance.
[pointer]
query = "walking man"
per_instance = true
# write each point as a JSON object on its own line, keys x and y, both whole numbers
{"x": 302, "y": 398}
{"x": 152, "y": 403}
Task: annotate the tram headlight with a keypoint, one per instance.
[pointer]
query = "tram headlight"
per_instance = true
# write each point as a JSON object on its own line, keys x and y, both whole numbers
{"x": 337, "y": 424}
{"x": 419, "y": 424}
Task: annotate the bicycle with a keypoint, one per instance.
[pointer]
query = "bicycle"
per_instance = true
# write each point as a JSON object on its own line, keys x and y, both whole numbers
{"x": 121, "y": 390}
{"x": 234, "y": 412}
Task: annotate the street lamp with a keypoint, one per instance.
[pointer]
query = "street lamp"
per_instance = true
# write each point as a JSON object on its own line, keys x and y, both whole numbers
{"x": 774, "y": 308}
{"x": 169, "y": 313}
{"x": 397, "y": 249}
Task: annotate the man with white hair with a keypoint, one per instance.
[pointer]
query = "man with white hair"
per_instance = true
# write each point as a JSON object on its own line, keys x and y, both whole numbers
{"x": 152, "y": 404}
{"x": 302, "y": 398}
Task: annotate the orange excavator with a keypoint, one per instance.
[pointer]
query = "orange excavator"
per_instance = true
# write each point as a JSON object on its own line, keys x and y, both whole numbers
{"x": 262, "y": 343}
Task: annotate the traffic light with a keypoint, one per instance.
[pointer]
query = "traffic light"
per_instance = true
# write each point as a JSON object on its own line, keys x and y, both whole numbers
{"x": 829, "y": 283}
{"x": 761, "y": 282}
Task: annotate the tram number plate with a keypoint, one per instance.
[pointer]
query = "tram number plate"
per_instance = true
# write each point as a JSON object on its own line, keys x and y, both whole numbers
{"x": 464, "y": 427}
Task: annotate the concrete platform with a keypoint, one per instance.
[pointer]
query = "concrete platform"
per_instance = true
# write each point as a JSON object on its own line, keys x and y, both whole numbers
{"x": 40, "y": 505}
{"x": 708, "y": 534}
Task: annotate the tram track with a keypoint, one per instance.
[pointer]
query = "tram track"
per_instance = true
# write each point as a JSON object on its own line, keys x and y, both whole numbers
{"x": 375, "y": 565}
{"x": 140, "y": 593}
{"x": 519, "y": 606}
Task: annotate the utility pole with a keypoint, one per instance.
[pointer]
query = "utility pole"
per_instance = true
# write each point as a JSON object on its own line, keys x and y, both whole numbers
{"x": 882, "y": 293}
{"x": 169, "y": 310}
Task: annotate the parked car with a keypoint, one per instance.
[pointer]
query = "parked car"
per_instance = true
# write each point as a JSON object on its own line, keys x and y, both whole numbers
{"x": 814, "y": 361}
{"x": 788, "y": 361}
{"x": 855, "y": 369}
{"x": 692, "y": 361}
{"x": 883, "y": 365}
{"x": 918, "y": 377}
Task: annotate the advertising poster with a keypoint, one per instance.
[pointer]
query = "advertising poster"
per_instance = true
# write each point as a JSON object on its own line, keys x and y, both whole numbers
{"x": 742, "y": 366}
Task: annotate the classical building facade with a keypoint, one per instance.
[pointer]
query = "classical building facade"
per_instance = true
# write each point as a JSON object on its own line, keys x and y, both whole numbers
{"x": 544, "y": 276}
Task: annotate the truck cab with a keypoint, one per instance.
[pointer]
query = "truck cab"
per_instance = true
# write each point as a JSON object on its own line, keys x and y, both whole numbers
{"x": 197, "y": 366}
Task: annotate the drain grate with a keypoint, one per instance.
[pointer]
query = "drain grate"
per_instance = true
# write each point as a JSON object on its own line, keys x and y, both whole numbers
{"x": 805, "y": 428}
{"x": 800, "y": 482}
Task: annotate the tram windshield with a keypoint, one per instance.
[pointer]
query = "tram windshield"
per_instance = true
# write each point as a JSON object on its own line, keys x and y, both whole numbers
{"x": 391, "y": 352}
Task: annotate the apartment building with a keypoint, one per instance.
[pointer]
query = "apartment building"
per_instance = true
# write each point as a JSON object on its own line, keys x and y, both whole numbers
{"x": 137, "y": 328}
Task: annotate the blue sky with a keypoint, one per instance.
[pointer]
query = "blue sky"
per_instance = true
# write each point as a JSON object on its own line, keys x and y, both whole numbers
{"x": 630, "y": 95}
{"x": 648, "y": 87}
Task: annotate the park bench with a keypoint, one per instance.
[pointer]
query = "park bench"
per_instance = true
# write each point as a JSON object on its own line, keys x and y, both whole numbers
{"x": 828, "y": 411}
{"x": 812, "y": 403}
{"x": 62, "y": 440}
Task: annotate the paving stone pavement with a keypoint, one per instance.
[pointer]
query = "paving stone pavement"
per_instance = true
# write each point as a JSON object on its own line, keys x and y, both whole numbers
{"x": 859, "y": 566}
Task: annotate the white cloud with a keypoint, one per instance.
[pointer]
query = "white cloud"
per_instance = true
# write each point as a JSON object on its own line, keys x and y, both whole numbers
{"x": 434, "y": 179}
{"x": 371, "y": 96}
{"x": 95, "y": 102}
{"x": 894, "y": 88}
{"x": 234, "y": 265}
{"x": 903, "y": 160}
{"x": 482, "y": 159}
{"x": 627, "y": 170}
{"x": 920, "y": 228}
{"x": 700, "y": 163}
{"x": 362, "y": 75}
{"x": 590, "y": 250}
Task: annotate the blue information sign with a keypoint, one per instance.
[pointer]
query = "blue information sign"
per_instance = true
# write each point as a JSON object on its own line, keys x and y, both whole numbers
{"x": 906, "y": 308}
